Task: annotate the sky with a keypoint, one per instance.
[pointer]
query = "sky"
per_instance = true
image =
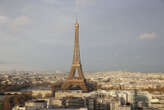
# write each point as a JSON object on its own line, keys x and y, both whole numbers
{"x": 38, "y": 35}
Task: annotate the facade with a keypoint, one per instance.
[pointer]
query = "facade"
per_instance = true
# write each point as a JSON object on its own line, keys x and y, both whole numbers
{"x": 19, "y": 108}
{"x": 36, "y": 104}
{"x": 124, "y": 108}
{"x": 41, "y": 93}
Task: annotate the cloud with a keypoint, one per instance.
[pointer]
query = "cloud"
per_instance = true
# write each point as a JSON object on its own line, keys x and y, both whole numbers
{"x": 83, "y": 3}
{"x": 50, "y": 1}
{"x": 19, "y": 67}
{"x": 14, "y": 24}
{"x": 152, "y": 35}
{"x": 21, "y": 20}
{"x": 18, "y": 23}
{"x": 3, "y": 19}
{"x": 56, "y": 42}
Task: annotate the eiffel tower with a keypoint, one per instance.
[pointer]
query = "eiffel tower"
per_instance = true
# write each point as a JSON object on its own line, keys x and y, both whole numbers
{"x": 76, "y": 67}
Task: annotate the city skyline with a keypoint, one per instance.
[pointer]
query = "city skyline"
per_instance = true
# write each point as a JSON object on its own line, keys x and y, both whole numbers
{"x": 114, "y": 35}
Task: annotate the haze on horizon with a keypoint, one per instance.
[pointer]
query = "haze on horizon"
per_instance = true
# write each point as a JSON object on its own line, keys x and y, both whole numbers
{"x": 114, "y": 34}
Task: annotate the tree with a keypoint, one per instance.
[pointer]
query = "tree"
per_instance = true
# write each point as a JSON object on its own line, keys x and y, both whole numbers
{"x": 16, "y": 100}
{"x": 39, "y": 95}
{"x": 6, "y": 104}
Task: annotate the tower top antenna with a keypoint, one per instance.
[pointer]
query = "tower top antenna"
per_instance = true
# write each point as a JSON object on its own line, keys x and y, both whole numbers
{"x": 76, "y": 21}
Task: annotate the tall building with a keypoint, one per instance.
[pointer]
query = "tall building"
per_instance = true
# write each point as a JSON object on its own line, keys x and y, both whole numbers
{"x": 76, "y": 77}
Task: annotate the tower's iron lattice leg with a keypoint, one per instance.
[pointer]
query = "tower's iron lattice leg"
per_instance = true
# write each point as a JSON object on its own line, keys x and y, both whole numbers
{"x": 72, "y": 80}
